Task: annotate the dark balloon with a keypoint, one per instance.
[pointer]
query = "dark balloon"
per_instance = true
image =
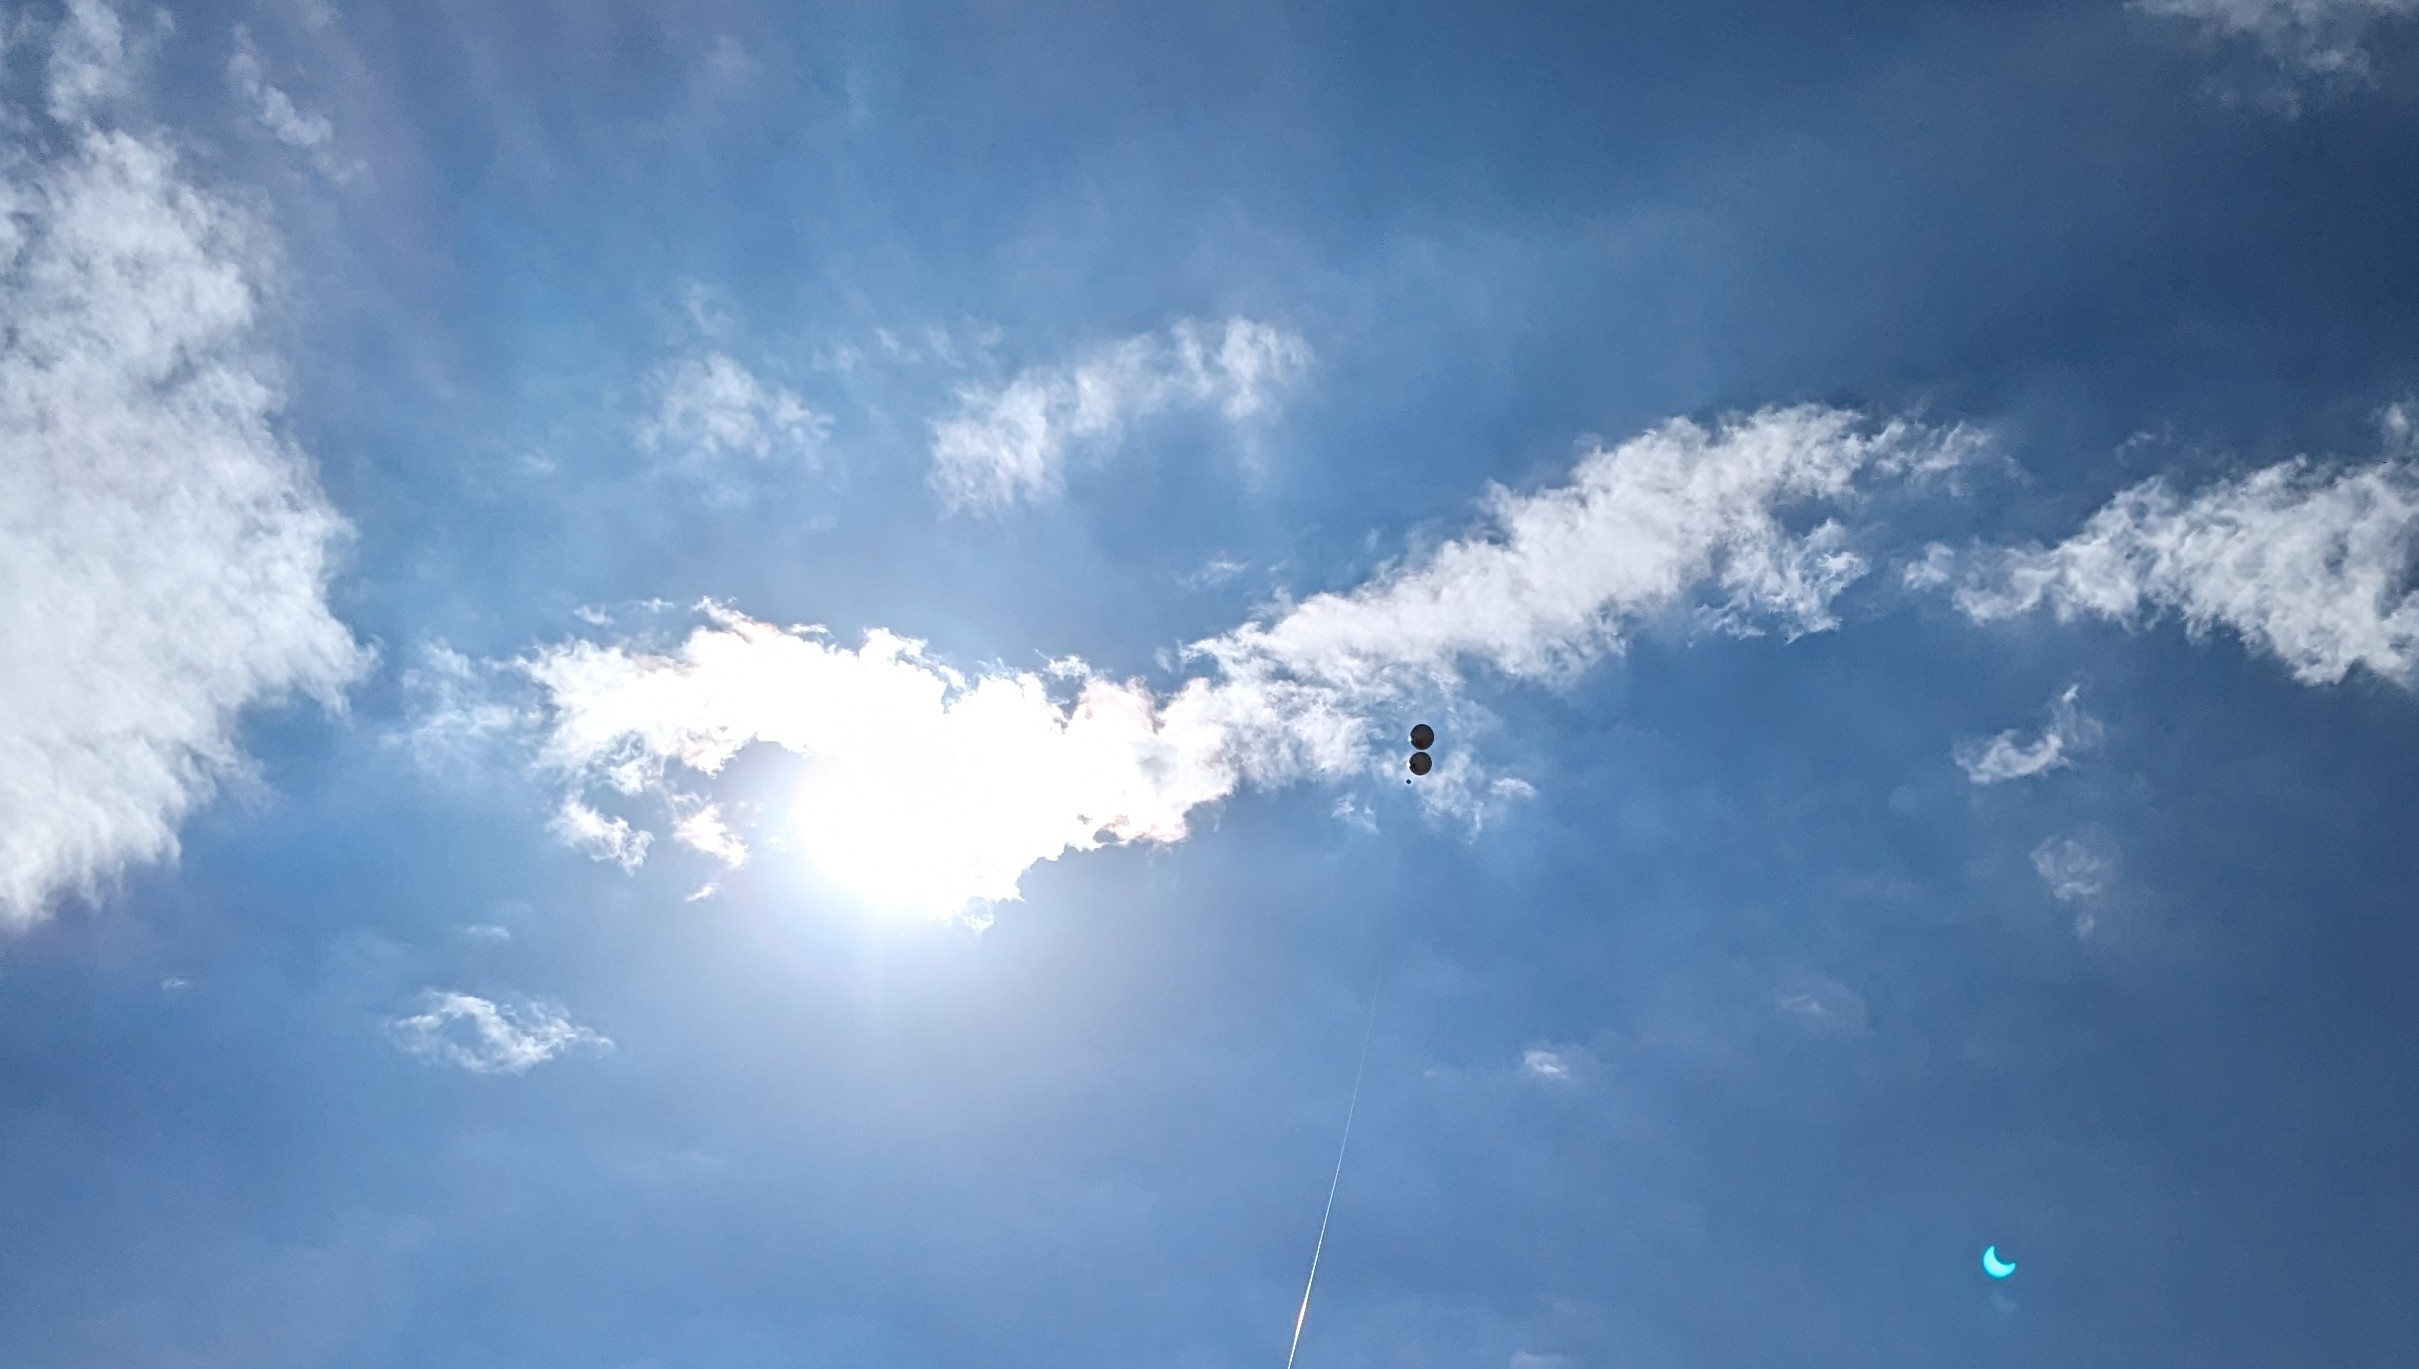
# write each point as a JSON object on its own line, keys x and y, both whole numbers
{"x": 1421, "y": 763}
{"x": 1423, "y": 736}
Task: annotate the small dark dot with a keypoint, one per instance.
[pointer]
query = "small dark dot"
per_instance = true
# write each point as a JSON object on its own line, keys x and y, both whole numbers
{"x": 1423, "y": 736}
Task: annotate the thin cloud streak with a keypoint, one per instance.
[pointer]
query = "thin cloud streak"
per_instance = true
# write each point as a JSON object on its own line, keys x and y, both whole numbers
{"x": 275, "y": 111}
{"x": 2004, "y": 758}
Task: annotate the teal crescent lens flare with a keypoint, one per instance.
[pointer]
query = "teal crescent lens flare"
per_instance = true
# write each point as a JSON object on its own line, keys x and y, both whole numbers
{"x": 1994, "y": 1266}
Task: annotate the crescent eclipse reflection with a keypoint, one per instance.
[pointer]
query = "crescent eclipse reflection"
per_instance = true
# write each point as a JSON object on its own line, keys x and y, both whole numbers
{"x": 1994, "y": 1266}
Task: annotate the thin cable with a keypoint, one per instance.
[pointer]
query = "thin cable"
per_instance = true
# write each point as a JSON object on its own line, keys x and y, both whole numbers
{"x": 1333, "y": 1182}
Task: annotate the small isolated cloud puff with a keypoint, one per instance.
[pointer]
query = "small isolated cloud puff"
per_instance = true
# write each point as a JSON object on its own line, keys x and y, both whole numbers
{"x": 485, "y": 1037}
{"x": 2004, "y": 758}
{"x": 599, "y": 836}
{"x": 703, "y": 830}
{"x": 925, "y": 789}
{"x": 1825, "y": 1005}
{"x": 2307, "y": 566}
{"x": 2322, "y": 38}
{"x": 1538, "y": 1062}
{"x": 167, "y": 551}
{"x": 1527, "y": 1359}
{"x": 1010, "y": 443}
{"x": 2074, "y": 867}
{"x": 708, "y": 408}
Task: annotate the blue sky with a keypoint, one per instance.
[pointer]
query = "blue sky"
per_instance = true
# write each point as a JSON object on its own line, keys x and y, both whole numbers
{"x": 724, "y": 685}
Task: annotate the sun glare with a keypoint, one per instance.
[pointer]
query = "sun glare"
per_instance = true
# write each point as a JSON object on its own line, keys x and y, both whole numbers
{"x": 933, "y": 810}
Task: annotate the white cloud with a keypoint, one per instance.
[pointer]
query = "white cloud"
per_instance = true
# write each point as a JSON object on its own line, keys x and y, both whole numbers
{"x": 703, "y": 830}
{"x": 601, "y": 837}
{"x": 1937, "y": 568}
{"x": 1639, "y": 530}
{"x": 1526, "y": 1359}
{"x": 2305, "y": 565}
{"x": 1011, "y": 443}
{"x": 710, "y": 408}
{"x": 167, "y": 550}
{"x": 2075, "y": 867}
{"x": 2004, "y": 758}
{"x": 1538, "y": 1062}
{"x": 486, "y": 931}
{"x": 2325, "y": 38}
{"x": 273, "y": 107}
{"x": 927, "y": 789}
{"x": 486, "y": 1037}
{"x": 922, "y": 789}
{"x": 89, "y": 66}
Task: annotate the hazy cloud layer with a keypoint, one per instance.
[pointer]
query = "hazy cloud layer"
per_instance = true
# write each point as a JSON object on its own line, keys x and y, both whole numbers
{"x": 166, "y": 550}
{"x": 1011, "y": 443}
{"x": 2307, "y": 565}
{"x": 486, "y": 1037}
{"x": 2004, "y": 757}
{"x": 2313, "y": 37}
{"x": 928, "y": 789}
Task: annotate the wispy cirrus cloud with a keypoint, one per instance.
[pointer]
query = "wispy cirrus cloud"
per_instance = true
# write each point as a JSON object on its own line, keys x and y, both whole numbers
{"x": 2322, "y": 38}
{"x": 923, "y": 787}
{"x": 2005, "y": 757}
{"x": 1010, "y": 443}
{"x": 276, "y": 112}
{"x": 2308, "y": 565}
{"x": 2073, "y": 867}
{"x": 708, "y": 409}
{"x": 167, "y": 549}
{"x": 487, "y": 1037}
{"x": 2079, "y": 870}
